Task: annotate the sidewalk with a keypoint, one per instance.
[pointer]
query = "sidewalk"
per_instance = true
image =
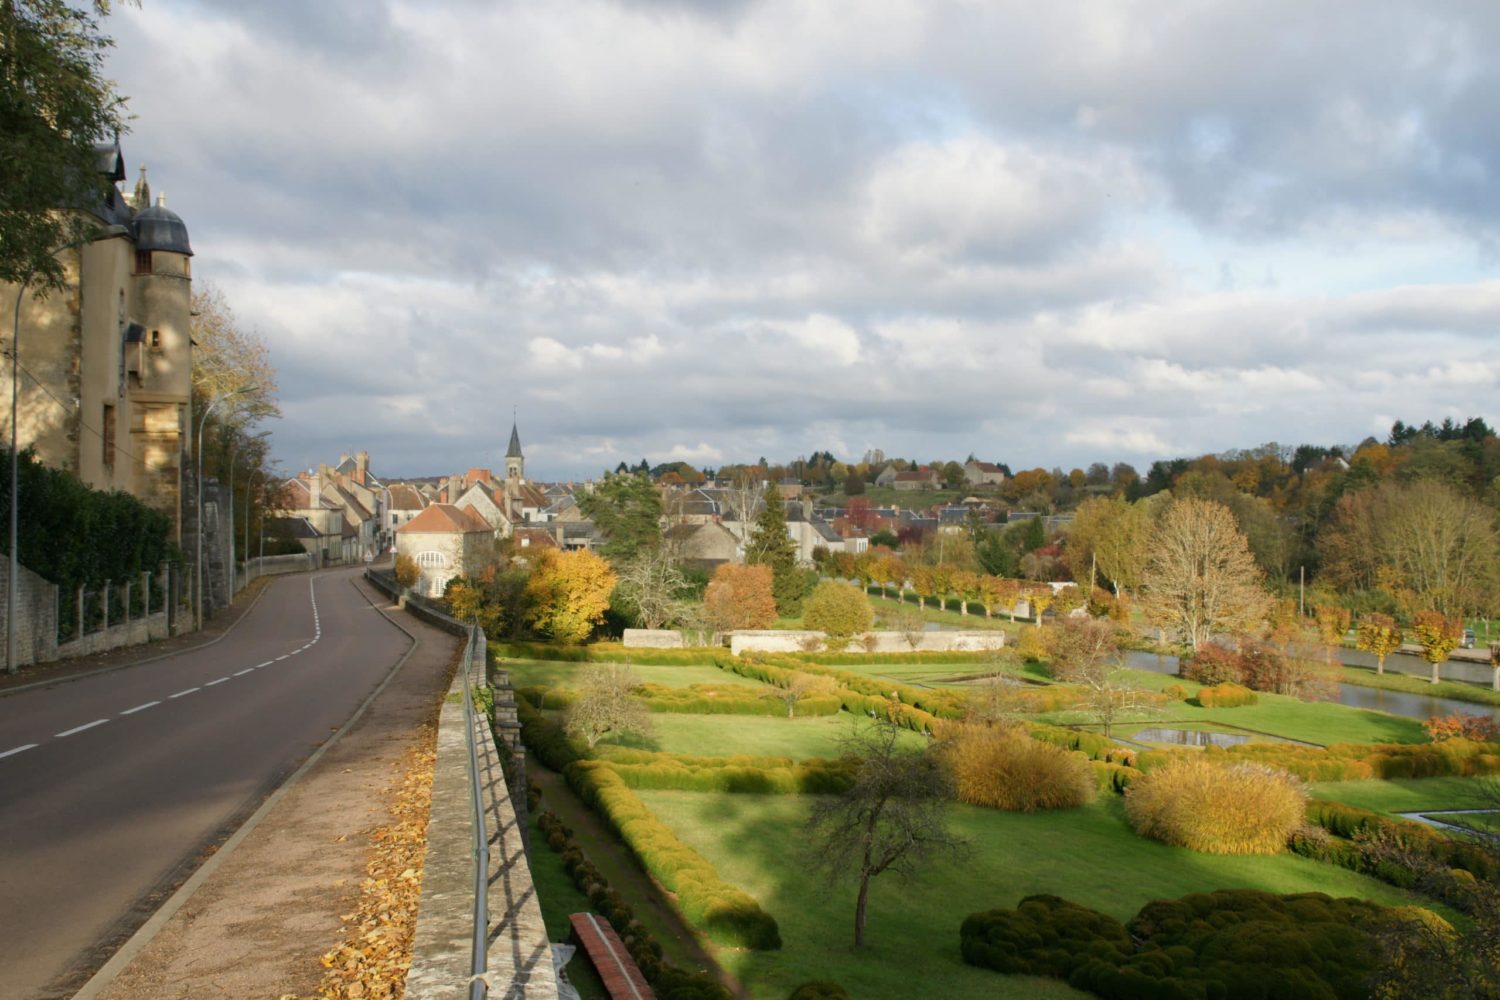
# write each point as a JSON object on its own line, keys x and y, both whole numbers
{"x": 61, "y": 671}
{"x": 284, "y": 895}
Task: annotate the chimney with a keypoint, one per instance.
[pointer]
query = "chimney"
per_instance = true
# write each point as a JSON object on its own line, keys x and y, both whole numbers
{"x": 362, "y": 467}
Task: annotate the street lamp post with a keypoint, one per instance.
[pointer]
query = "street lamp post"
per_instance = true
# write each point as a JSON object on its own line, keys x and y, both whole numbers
{"x": 198, "y": 562}
{"x": 13, "y": 586}
{"x": 249, "y": 491}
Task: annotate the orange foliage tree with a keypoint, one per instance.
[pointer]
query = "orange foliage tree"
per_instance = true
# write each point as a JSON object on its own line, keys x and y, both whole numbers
{"x": 1378, "y": 635}
{"x": 1439, "y": 636}
{"x": 740, "y": 596}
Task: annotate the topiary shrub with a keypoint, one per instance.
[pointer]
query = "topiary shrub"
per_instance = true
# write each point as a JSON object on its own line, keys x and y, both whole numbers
{"x": 1226, "y": 696}
{"x": 838, "y": 610}
{"x": 1210, "y": 946}
{"x": 821, "y": 989}
{"x": 1240, "y": 808}
{"x": 1004, "y": 768}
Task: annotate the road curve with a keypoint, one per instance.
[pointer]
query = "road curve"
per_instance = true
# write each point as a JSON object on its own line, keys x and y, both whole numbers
{"x": 113, "y": 787}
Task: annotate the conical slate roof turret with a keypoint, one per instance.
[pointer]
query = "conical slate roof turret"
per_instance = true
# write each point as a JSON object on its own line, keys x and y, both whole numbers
{"x": 514, "y": 451}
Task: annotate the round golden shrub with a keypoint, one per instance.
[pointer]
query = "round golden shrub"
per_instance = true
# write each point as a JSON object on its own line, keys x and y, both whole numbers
{"x": 1193, "y": 802}
{"x": 1004, "y": 768}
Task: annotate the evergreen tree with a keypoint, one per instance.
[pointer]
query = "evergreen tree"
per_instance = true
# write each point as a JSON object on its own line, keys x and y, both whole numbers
{"x": 627, "y": 511}
{"x": 770, "y": 545}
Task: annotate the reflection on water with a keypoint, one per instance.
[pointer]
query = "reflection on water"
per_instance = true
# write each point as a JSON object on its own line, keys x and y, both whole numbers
{"x": 1412, "y": 706}
{"x": 1189, "y": 737}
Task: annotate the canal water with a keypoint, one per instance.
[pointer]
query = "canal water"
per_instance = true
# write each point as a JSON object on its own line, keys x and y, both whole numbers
{"x": 1413, "y": 706}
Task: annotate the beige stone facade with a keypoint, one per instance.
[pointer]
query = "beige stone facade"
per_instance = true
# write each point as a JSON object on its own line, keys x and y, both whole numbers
{"x": 109, "y": 357}
{"x": 445, "y": 542}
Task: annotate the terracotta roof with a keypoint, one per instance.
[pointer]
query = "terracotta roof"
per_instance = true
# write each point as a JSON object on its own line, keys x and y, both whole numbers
{"x": 405, "y": 498}
{"x": 441, "y": 518}
{"x": 535, "y": 538}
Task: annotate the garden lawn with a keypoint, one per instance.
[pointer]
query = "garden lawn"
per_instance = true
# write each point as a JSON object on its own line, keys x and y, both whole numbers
{"x": 1088, "y": 855}
{"x": 723, "y": 735}
{"x": 560, "y": 673}
{"x": 559, "y": 897}
{"x": 1412, "y": 794}
{"x": 975, "y": 619}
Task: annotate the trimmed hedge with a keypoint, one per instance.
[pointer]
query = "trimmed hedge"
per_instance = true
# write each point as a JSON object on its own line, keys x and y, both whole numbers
{"x": 699, "y": 699}
{"x": 608, "y": 652}
{"x": 812, "y": 777}
{"x": 1352, "y": 822}
{"x": 852, "y": 700}
{"x": 668, "y": 980}
{"x": 822, "y": 989}
{"x": 854, "y": 659}
{"x": 548, "y": 740}
{"x": 1227, "y": 695}
{"x": 727, "y": 914}
{"x": 1239, "y": 943}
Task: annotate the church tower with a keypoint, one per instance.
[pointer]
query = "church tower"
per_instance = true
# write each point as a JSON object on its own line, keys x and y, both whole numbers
{"x": 515, "y": 462}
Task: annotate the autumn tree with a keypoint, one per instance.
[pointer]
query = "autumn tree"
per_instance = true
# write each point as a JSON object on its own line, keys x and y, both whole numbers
{"x": 771, "y": 545}
{"x": 839, "y": 611}
{"x": 892, "y": 818}
{"x": 407, "y": 572}
{"x": 1438, "y": 635}
{"x": 1086, "y": 652}
{"x": 1200, "y": 578}
{"x": 627, "y": 510}
{"x": 648, "y": 587}
{"x": 569, "y": 593}
{"x": 740, "y": 597}
{"x": 804, "y": 685}
{"x": 55, "y": 104}
{"x": 605, "y": 705}
{"x": 1378, "y": 635}
{"x": 1040, "y": 599}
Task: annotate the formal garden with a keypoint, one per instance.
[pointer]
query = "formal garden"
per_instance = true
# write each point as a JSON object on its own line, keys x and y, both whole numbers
{"x": 714, "y": 780}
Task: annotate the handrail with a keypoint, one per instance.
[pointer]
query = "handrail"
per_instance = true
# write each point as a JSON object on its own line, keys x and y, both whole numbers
{"x": 479, "y": 962}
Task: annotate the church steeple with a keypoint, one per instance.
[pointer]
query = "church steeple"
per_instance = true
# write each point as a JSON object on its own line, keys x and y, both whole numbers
{"x": 515, "y": 462}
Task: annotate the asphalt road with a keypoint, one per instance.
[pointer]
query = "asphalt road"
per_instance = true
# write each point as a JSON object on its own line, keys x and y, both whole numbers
{"x": 114, "y": 787}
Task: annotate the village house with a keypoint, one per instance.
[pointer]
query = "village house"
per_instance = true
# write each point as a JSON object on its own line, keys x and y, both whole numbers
{"x": 983, "y": 474}
{"x": 445, "y": 542}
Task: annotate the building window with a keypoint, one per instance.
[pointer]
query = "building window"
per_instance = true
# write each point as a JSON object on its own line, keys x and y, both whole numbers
{"x": 156, "y": 340}
{"x": 143, "y": 262}
{"x": 107, "y": 435}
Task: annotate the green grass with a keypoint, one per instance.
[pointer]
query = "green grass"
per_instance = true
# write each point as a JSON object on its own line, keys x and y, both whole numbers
{"x": 558, "y": 673}
{"x": 559, "y": 898}
{"x": 1457, "y": 690}
{"x": 1412, "y": 794}
{"x": 884, "y": 605}
{"x": 715, "y": 735}
{"x": 1321, "y": 722}
{"x": 1086, "y": 855}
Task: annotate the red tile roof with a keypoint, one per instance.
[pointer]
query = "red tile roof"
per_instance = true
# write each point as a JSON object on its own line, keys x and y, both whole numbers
{"x": 440, "y": 518}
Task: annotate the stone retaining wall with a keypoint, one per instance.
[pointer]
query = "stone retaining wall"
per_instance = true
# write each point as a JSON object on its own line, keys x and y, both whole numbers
{"x": 790, "y": 641}
{"x": 653, "y": 638}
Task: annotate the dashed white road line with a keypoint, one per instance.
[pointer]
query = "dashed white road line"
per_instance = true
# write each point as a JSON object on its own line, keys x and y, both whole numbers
{"x": 140, "y": 708}
{"x": 266, "y": 664}
{"x": 282, "y": 657}
{"x": 179, "y": 694}
{"x": 79, "y": 729}
{"x": 241, "y": 673}
{"x": 221, "y": 680}
{"x": 16, "y": 750}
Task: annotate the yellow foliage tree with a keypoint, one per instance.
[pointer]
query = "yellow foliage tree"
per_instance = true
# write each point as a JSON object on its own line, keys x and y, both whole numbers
{"x": 569, "y": 594}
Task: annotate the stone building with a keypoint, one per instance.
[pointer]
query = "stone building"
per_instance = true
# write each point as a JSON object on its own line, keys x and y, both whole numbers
{"x": 109, "y": 356}
{"x": 445, "y": 541}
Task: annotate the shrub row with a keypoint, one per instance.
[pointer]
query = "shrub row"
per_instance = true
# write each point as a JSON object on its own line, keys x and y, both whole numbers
{"x": 1226, "y": 695}
{"x": 727, "y": 914}
{"x": 1093, "y": 745}
{"x": 547, "y": 739}
{"x": 945, "y": 704}
{"x": 699, "y": 699}
{"x": 854, "y": 701}
{"x": 1353, "y": 822}
{"x": 1232, "y": 943}
{"x": 644, "y": 949}
{"x": 609, "y": 652}
{"x": 812, "y": 777}
{"x": 1358, "y": 761}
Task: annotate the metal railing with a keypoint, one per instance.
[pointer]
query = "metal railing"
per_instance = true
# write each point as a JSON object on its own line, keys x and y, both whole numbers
{"x": 479, "y": 961}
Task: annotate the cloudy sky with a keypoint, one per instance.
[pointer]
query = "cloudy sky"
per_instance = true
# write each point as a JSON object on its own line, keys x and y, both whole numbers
{"x": 1044, "y": 233}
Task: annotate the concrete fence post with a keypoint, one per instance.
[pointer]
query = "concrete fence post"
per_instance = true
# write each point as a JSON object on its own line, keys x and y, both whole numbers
{"x": 104, "y": 606}
{"x": 78, "y": 613}
{"x": 127, "y": 612}
{"x": 146, "y": 594}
